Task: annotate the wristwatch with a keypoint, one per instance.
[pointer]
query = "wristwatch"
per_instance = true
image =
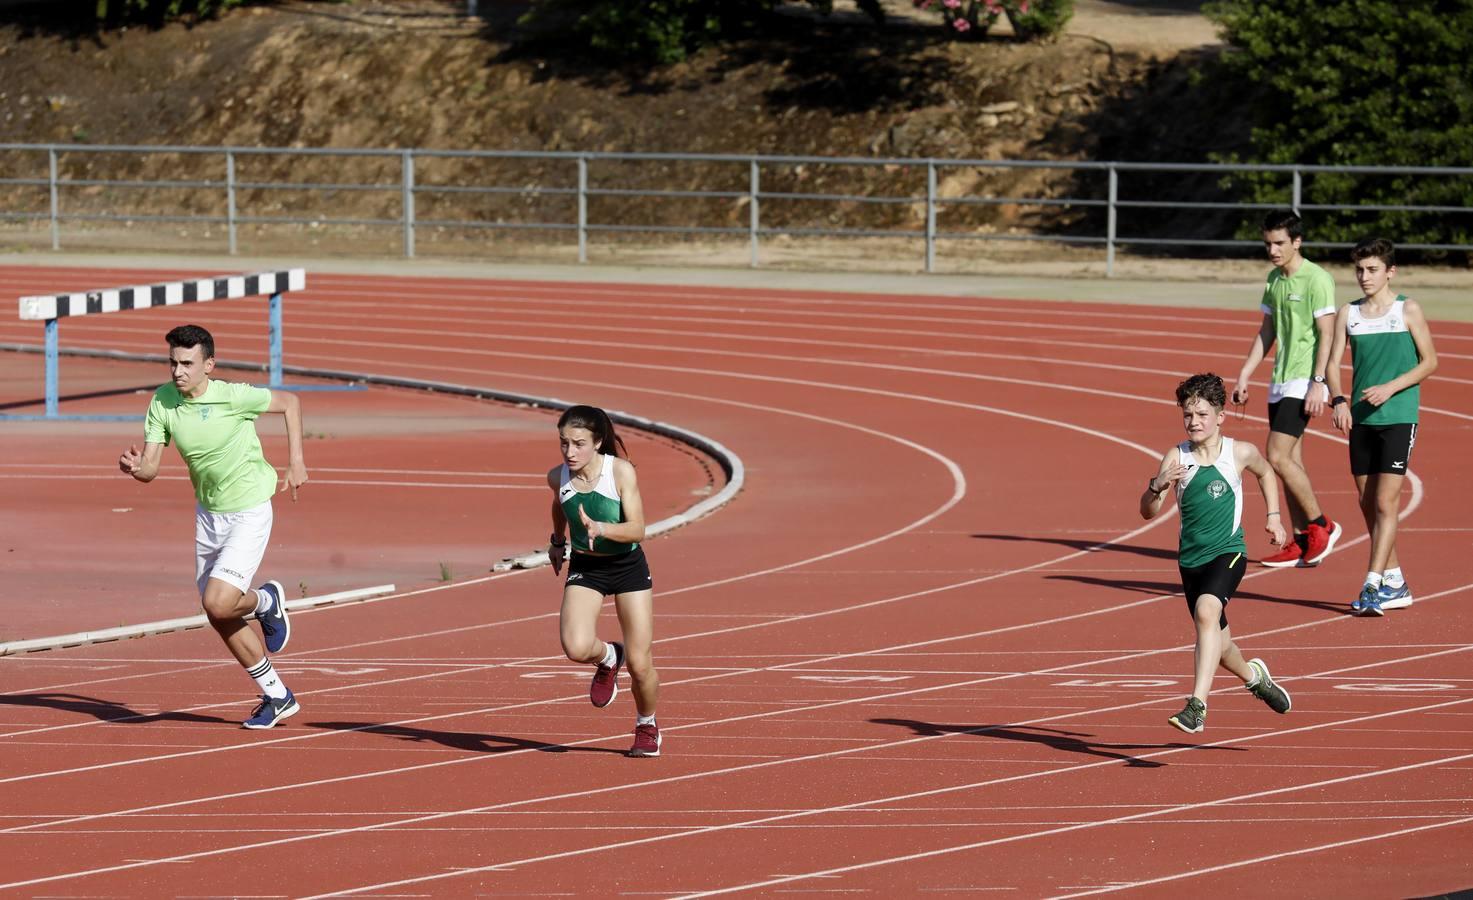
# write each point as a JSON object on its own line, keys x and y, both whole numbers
{"x": 1339, "y": 400}
{"x": 1318, "y": 379}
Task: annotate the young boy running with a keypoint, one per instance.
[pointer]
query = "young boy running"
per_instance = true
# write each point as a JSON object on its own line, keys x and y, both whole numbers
{"x": 1298, "y": 313}
{"x": 1206, "y": 471}
{"x": 1392, "y": 352}
{"x": 212, "y": 423}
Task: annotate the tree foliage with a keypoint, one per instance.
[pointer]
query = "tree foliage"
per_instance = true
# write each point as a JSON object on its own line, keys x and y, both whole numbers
{"x": 1360, "y": 83}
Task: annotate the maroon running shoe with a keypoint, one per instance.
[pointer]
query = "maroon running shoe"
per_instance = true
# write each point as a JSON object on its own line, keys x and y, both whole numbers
{"x": 605, "y": 686}
{"x": 646, "y": 740}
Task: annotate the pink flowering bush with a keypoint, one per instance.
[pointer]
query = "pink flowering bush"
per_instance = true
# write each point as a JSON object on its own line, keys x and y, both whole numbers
{"x": 1031, "y": 19}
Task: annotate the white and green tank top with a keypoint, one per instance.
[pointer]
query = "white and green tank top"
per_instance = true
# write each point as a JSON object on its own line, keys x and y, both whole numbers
{"x": 1381, "y": 349}
{"x": 1211, "y": 501}
{"x": 602, "y": 505}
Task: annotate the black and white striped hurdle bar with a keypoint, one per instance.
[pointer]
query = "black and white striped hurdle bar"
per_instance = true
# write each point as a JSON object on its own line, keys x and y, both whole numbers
{"x": 223, "y": 287}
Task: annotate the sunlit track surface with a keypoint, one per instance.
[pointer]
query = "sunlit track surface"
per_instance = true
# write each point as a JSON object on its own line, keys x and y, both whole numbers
{"x": 930, "y": 649}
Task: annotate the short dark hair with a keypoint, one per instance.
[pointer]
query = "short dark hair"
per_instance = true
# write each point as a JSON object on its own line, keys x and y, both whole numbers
{"x": 1206, "y": 386}
{"x": 187, "y": 336}
{"x": 1286, "y": 219}
{"x": 1379, "y": 247}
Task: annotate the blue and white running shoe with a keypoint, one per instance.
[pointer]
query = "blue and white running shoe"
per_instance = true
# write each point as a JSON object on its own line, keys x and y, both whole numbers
{"x": 1399, "y": 597}
{"x": 272, "y": 711}
{"x": 1368, "y": 603}
{"x": 274, "y": 626}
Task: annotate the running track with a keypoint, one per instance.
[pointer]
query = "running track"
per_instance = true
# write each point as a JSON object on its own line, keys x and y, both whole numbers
{"x": 929, "y": 650}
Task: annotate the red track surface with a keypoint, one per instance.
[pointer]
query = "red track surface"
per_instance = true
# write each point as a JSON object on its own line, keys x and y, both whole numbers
{"x": 929, "y": 650}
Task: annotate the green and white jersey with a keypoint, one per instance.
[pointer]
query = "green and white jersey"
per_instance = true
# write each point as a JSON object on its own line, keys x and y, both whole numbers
{"x": 1211, "y": 501}
{"x": 215, "y": 434}
{"x": 602, "y": 505}
{"x": 1294, "y": 302}
{"x": 1382, "y": 348}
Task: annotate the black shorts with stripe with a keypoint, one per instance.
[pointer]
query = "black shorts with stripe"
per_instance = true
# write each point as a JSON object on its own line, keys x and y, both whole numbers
{"x": 1218, "y": 577}
{"x": 624, "y": 573}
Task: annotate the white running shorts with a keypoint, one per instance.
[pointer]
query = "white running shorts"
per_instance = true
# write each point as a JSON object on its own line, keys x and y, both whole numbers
{"x": 230, "y": 546}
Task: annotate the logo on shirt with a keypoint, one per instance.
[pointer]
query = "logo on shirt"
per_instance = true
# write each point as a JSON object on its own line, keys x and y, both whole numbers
{"x": 1217, "y": 488}
{"x": 1393, "y": 322}
{"x": 1293, "y": 297}
{"x": 204, "y": 413}
{"x": 1399, "y": 464}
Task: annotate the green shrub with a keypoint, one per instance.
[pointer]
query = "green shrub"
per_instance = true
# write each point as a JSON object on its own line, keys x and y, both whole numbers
{"x": 1040, "y": 19}
{"x": 1359, "y": 83}
{"x": 118, "y": 12}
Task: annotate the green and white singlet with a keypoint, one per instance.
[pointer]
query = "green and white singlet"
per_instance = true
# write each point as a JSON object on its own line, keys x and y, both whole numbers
{"x": 1211, "y": 501}
{"x": 1294, "y": 302}
{"x": 602, "y": 505}
{"x": 1381, "y": 349}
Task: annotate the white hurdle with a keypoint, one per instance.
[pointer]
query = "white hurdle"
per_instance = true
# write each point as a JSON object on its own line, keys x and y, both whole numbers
{"x": 55, "y": 307}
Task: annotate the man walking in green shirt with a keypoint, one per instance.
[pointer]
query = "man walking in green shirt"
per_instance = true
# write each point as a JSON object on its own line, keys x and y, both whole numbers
{"x": 1298, "y": 314}
{"x": 212, "y": 424}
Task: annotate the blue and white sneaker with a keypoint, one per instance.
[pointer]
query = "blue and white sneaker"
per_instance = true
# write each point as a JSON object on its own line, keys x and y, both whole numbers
{"x": 1389, "y": 597}
{"x": 272, "y": 711}
{"x": 1368, "y": 603}
{"x": 274, "y": 625}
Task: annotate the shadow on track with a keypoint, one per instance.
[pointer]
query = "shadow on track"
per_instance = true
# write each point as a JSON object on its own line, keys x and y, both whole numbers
{"x": 459, "y": 740}
{"x": 1077, "y": 544}
{"x": 1069, "y": 741}
{"x": 105, "y": 710}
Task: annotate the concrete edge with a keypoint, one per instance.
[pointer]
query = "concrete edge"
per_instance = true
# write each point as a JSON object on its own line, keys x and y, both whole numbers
{"x": 122, "y": 632}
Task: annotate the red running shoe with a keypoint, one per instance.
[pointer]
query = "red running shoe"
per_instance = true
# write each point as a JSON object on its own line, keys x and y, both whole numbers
{"x": 605, "y": 686}
{"x": 646, "y": 740}
{"x": 1320, "y": 542}
{"x": 1290, "y": 555}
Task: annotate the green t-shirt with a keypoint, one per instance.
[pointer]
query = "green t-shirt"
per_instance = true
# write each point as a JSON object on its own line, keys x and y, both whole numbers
{"x": 216, "y": 435}
{"x": 1294, "y": 302}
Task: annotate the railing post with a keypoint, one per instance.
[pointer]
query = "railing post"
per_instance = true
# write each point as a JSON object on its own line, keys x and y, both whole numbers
{"x": 55, "y": 200}
{"x": 274, "y": 347}
{"x": 53, "y": 342}
{"x": 408, "y": 203}
{"x": 583, "y": 209}
{"x": 1298, "y": 191}
{"x": 930, "y": 215}
{"x": 230, "y": 198}
{"x": 1110, "y": 223}
{"x": 753, "y": 217}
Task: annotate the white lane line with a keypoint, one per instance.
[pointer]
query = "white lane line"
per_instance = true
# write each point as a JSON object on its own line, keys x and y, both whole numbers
{"x": 1319, "y": 848}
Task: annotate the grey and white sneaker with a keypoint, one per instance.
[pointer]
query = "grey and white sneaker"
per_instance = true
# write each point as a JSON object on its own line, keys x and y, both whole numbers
{"x": 1266, "y": 689}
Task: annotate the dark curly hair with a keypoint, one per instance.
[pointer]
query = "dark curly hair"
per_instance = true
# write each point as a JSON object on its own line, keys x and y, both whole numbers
{"x": 1207, "y": 386}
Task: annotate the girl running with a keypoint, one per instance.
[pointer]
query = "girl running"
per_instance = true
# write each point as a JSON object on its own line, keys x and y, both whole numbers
{"x": 596, "y": 502}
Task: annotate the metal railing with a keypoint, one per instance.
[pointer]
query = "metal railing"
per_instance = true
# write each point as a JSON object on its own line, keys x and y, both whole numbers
{"x": 470, "y": 190}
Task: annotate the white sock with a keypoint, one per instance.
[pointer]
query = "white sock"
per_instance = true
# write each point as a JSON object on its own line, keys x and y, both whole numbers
{"x": 263, "y": 602}
{"x": 1257, "y": 676}
{"x": 643, "y": 720}
{"x": 265, "y": 677}
{"x": 1394, "y": 577}
{"x": 1373, "y": 579}
{"x": 610, "y": 657}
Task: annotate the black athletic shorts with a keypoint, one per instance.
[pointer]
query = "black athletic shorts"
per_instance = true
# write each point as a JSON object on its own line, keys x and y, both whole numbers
{"x": 1377, "y": 449}
{"x": 1287, "y": 416}
{"x": 1218, "y": 577}
{"x": 621, "y": 574}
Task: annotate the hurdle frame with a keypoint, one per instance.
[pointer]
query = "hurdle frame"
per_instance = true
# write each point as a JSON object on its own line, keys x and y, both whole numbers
{"x": 50, "y": 309}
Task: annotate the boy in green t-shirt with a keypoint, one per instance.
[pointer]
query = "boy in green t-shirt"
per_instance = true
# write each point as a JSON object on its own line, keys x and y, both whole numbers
{"x": 1298, "y": 314}
{"x": 1392, "y": 352}
{"x": 212, "y": 424}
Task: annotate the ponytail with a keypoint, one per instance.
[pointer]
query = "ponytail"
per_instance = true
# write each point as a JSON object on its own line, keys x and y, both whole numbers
{"x": 598, "y": 423}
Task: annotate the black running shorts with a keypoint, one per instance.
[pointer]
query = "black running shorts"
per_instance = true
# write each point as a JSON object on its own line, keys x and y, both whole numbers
{"x": 1382, "y": 449}
{"x": 625, "y": 573}
{"x": 1217, "y": 577}
{"x": 1287, "y": 416}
